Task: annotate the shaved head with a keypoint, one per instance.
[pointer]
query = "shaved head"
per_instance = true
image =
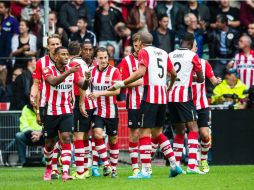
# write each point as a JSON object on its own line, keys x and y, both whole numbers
{"x": 247, "y": 39}
{"x": 146, "y": 38}
{"x": 244, "y": 42}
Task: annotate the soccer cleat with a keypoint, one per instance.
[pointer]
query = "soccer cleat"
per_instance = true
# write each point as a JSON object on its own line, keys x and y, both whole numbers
{"x": 194, "y": 171}
{"x": 150, "y": 171}
{"x": 86, "y": 173}
{"x": 95, "y": 171}
{"x": 107, "y": 170}
{"x": 175, "y": 172}
{"x": 140, "y": 175}
{"x": 204, "y": 166}
{"x": 47, "y": 175}
{"x": 135, "y": 171}
{"x": 114, "y": 174}
{"x": 54, "y": 174}
{"x": 66, "y": 176}
{"x": 75, "y": 175}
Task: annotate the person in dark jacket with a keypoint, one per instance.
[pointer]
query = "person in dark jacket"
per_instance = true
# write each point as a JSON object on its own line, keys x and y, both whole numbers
{"x": 105, "y": 21}
{"x": 223, "y": 46}
{"x": 22, "y": 87}
{"x": 163, "y": 37}
{"x": 69, "y": 14}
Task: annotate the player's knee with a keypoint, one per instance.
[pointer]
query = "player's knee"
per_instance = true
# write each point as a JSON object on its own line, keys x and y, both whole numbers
{"x": 204, "y": 136}
{"x": 112, "y": 140}
{"x": 49, "y": 144}
{"x": 98, "y": 135}
{"x": 66, "y": 138}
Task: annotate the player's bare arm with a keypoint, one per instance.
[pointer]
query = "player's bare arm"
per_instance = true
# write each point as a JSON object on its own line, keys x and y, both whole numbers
{"x": 173, "y": 77}
{"x": 97, "y": 94}
{"x": 34, "y": 91}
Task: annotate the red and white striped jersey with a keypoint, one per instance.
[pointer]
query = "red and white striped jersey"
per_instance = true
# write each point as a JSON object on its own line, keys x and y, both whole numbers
{"x": 129, "y": 65}
{"x": 59, "y": 97}
{"x": 102, "y": 80}
{"x": 41, "y": 64}
{"x": 245, "y": 67}
{"x": 185, "y": 63}
{"x": 199, "y": 89}
{"x": 89, "y": 104}
{"x": 158, "y": 64}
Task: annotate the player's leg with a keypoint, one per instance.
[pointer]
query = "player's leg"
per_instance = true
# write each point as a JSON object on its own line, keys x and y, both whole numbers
{"x": 50, "y": 133}
{"x": 95, "y": 168}
{"x": 78, "y": 141}
{"x": 56, "y": 152}
{"x": 97, "y": 126}
{"x": 65, "y": 127}
{"x": 203, "y": 124}
{"x": 134, "y": 121}
{"x": 163, "y": 142}
{"x": 111, "y": 131}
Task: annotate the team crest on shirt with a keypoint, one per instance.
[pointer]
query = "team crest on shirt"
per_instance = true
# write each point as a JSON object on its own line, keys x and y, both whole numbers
{"x": 107, "y": 78}
{"x": 45, "y": 70}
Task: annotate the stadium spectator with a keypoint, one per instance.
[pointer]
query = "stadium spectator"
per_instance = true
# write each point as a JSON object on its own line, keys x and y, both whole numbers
{"x": 69, "y": 14}
{"x": 223, "y": 44}
{"x": 106, "y": 18}
{"x": 123, "y": 6}
{"x": 22, "y": 88}
{"x": 243, "y": 61}
{"x": 11, "y": 89}
{"x": 3, "y": 77}
{"x": 175, "y": 13}
{"x": 127, "y": 51}
{"x": 17, "y": 6}
{"x": 191, "y": 23}
{"x": 141, "y": 18}
{"x": 28, "y": 125}
{"x": 246, "y": 13}
{"x": 251, "y": 33}
{"x": 34, "y": 13}
{"x": 125, "y": 34}
{"x": 163, "y": 37}
{"x": 83, "y": 34}
{"x": 9, "y": 27}
{"x": 54, "y": 28}
{"x": 111, "y": 51}
{"x": 201, "y": 11}
{"x": 23, "y": 45}
{"x": 230, "y": 90}
{"x": 232, "y": 14}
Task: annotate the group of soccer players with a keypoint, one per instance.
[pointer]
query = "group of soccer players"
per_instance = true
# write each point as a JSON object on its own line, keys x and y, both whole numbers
{"x": 76, "y": 92}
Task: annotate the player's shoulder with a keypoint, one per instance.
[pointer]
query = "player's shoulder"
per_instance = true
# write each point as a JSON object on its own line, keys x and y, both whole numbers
{"x": 76, "y": 60}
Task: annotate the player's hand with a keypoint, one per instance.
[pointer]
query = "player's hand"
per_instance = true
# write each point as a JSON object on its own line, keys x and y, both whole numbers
{"x": 74, "y": 69}
{"x": 94, "y": 95}
{"x": 82, "y": 110}
{"x": 88, "y": 74}
{"x": 38, "y": 119}
{"x": 36, "y": 135}
{"x": 169, "y": 88}
{"x": 33, "y": 100}
{"x": 118, "y": 84}
{"x": 219, "y": 80}
{"x": 112, "y": 88}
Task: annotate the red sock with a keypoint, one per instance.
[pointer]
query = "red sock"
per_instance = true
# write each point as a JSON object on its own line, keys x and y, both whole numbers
{"x": 86, "y": 142}
{"x": 56, "y": 151}
{"x": 79, "y": 153}
{"x": 205, "y": 146}
{"x": 48, "y": 157}
{"x": 133, "y": 150}
{"x": 66, "y": 157}
{"x": 154, "y": 146}
{"x": 166, "y": 148}
{"x": 193, "y": 149}
{"x": 145, "y": 153}
{"x": 102, "y": 151}
{"x": 95, "y": 153}
{"x": 178, "y": 147}
{"x": 113, "y": 153}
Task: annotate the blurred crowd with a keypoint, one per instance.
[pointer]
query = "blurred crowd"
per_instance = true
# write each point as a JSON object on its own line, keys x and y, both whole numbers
{"x": 223, "y": 30}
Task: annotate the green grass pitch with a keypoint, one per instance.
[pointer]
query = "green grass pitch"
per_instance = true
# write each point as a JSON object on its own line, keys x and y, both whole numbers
{"x": 220, "y": 177}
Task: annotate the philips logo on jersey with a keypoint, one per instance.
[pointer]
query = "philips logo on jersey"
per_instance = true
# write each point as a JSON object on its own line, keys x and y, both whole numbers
{"x": 100, "y": 87}
{"x": 63, "y": 87}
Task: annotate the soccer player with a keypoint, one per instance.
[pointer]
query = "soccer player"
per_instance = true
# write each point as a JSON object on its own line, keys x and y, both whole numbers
{"x": 106, "y": 113}
{"x": 202, "y": 107}
{"x": 87, "y": 105}
{"x": 38, "y": 96}
{"x": 154, "y": 64}
{"x": 134, "y": 92}
{"x": 59, "y": 80}
{"x": 181, "y": 107}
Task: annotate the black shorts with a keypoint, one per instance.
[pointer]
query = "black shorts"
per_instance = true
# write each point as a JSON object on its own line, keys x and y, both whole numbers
{"x": 134, "y": 118}
{"x": 111, "y": 124}
{"x": 42, "y": 112}
{"x": 182, "y": 112}
{"x": 81, "y": 123}
{"x": 55, "y": 123}
{"x": 152, "y": 115}
{"x": 203, "y": 117}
